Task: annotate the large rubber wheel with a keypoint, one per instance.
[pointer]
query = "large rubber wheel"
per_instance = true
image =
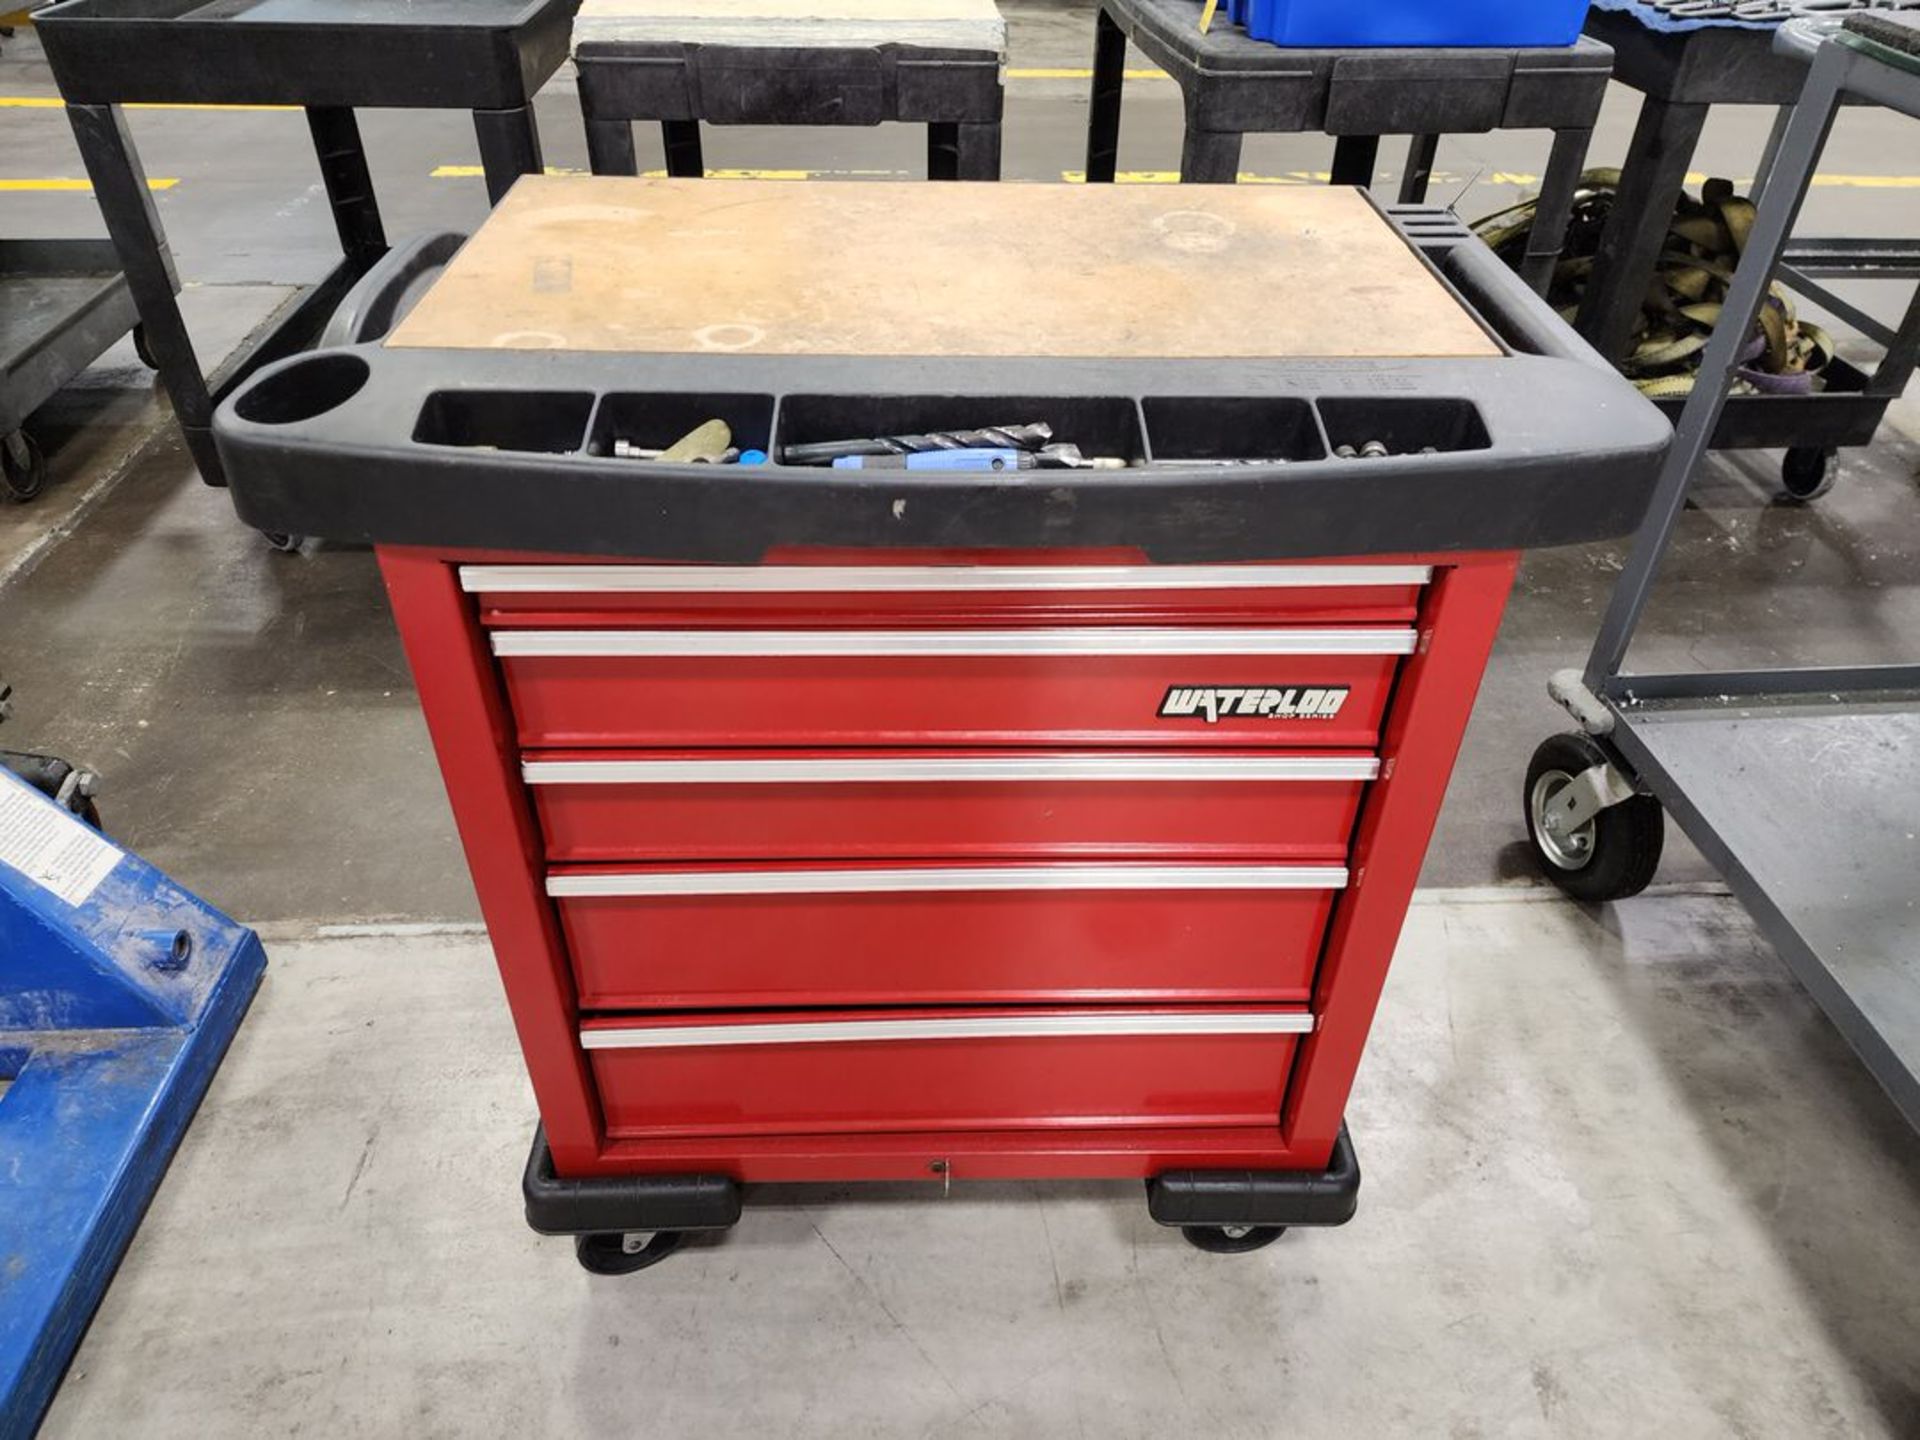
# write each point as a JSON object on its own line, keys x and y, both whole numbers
{"x": 23, "y": 468}
{"x": 1807, "y": 471}
{"x": 608, "y": 1254}
{"x": 1610, "y": 857}
{"x": 1231, "y": 1239}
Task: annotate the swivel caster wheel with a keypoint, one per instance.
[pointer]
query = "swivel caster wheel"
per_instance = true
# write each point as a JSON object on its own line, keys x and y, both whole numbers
{"x": 1807, "y": 471}
{"x": 23, "y": 468}
{"x": 1609, "y": 855}
{"x": 608, "y": 1254}
{"x": 144, "y": 348}
{"x": 1231, "y": 1239}
{"x": 284, "y": 543}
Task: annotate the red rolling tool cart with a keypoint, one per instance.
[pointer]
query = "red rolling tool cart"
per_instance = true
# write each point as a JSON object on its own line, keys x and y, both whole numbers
{"x": 1055, "y": 820}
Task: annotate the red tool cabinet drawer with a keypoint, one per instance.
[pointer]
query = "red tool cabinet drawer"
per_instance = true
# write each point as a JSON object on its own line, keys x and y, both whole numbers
{"x": 1163, "y": 686}
{"x": 566, "y": 596}
{"x": 930, "y": 934}
{"x": 893, "y": 805}
{"x": 935, "y": 1071}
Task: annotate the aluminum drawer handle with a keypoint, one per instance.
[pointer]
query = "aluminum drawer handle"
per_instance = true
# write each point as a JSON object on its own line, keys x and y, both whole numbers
{"x": 918, "y": 579}
{"x": 982, "y": 769}
{"x": 784, "y": 644}
{"x": 970, "y": 1027}
{"x": 956, "y": 879}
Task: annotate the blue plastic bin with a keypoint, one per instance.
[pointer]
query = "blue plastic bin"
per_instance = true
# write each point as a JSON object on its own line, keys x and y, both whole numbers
{"x": 1306, "y": 23}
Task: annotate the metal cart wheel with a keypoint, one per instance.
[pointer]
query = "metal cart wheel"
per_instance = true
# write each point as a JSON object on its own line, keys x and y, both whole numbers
{"x": 1609, "y": 856}
{"x": 1807, "y": 471}
{"x": 143, "y": 349}
{"x": 608, "y": 1254}
{"x": 23, "y": 468}
{"x": 1231, "y": 1239}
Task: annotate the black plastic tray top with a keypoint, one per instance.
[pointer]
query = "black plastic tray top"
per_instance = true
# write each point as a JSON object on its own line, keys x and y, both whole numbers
{"x": 1530, "y": 441}
{"x": 429, "y": 54}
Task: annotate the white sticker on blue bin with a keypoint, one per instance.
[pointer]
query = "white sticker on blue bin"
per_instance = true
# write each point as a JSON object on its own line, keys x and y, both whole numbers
{"x": 49, "y": 847}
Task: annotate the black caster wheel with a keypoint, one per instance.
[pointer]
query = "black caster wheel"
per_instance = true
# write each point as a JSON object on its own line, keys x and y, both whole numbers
{"x": 23, "y": 468}
{"x": 143, "y": 349}
{"x": 608, "y": 1254}
{"x": 1610, "y": 857}
{"x": 1231, "y": 1239}
{"x": 286, "y": 544}
{"x": 1807, "y": 471}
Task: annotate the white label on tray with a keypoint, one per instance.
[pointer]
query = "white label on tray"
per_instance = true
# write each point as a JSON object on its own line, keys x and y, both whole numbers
{"x": 50, "y": 847}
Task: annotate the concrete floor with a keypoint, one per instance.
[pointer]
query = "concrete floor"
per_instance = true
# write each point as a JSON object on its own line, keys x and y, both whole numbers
{"x": 1621, "y": 1173}
{"x": 1621, "y": 1179}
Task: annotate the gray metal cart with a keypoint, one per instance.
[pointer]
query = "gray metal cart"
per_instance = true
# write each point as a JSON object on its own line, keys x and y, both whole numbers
{"x": 62, "y": 302}
{"x": 1802, "y": 786}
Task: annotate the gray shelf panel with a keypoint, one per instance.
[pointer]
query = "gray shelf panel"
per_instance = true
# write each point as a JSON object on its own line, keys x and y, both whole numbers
{"x": 1811, "y": 808}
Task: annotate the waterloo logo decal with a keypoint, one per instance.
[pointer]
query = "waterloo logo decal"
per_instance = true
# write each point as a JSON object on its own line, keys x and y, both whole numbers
{"x": 1214, "y": 703}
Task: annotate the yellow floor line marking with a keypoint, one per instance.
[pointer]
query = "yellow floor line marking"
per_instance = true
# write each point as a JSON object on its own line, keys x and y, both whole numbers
{"x": 56, "y": 182}
{"x": 54, "y": 102}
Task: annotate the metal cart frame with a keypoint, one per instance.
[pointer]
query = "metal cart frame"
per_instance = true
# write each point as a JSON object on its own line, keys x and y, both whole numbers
{"x": 490, "y": 60}
{"x": 1233, "y": 86}
{"x": 1799, "y": 785}
{"x": 1681, "y": 76}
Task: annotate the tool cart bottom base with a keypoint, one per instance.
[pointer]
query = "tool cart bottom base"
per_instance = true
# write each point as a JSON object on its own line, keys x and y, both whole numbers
{"x": 623, "y": 1223}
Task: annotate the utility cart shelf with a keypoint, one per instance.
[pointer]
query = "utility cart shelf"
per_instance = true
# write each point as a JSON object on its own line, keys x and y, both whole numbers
{"x": 880, "y": 824}
{"x": 329, "y": 56}
{"x": 62, "y": 303}
{"x": 1682, "y": 74}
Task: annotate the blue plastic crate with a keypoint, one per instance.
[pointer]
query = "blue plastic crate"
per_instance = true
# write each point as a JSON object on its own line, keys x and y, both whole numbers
{"x": 1305, "y": 23}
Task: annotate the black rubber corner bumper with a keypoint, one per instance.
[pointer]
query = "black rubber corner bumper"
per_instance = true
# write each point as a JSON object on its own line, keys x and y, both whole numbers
{"x": 624, "y": 1204}
{"x": 1260, "y": 1197}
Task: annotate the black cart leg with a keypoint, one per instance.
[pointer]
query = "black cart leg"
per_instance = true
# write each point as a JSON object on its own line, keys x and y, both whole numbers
{"x": 1355, "y": 159}
{"x": 1421, "y": 150}
{"x": 1554, "y": 208}
{"x": 1650, "y": 184}
{"x": 509, "y": 147}
{"x": 1103, "y": 111}
{"x": 610, "y": 148}
{"x": 963, "y": 151}
{"x": 1208, "y": 157}
{"x": 343, "y": 169}
{"x": 120, "y": 186}
{"x": 682, "y": 141}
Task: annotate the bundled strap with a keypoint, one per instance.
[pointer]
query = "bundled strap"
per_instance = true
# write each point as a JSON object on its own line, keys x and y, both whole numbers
{"x": 1683, "y": 303}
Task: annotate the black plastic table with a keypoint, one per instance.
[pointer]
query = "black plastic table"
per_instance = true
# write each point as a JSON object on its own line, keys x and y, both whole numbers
{"x": 1681, "y": 76}
{"x": 955, "y": 93}
{"x": 1233, "y": 86}
{"x": 330, "y": 56}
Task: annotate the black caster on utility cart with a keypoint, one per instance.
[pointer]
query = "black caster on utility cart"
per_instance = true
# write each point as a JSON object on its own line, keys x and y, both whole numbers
{"x": 23, "y": 468}
{"x": 282, "y": 542}
{"x": 143, "y": 349}
{"x": 1231, "y": 1239}
{"x": 1807, "y": 471}
{"x": 610, "y": 1255}
{"x": 1609, "y": 855}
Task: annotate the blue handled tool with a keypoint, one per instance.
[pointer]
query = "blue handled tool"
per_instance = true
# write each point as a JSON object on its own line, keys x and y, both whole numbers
{"x": 950, "y": 460}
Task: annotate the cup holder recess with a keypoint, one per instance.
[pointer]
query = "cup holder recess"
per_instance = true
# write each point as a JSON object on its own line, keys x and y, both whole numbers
{"x": 302, "y": 390}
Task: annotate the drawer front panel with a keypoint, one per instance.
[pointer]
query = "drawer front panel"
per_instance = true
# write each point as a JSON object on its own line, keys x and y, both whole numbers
{"x": 582, "y": 596}
{"x": 944, "y": 934}
{"x": 899, "y": 1071}
{"x": 1187, "y": 687}
{"x": 903, "y": 805}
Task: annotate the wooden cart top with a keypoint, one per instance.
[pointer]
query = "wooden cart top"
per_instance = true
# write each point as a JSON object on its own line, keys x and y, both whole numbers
{"x": 655, "y": 266}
